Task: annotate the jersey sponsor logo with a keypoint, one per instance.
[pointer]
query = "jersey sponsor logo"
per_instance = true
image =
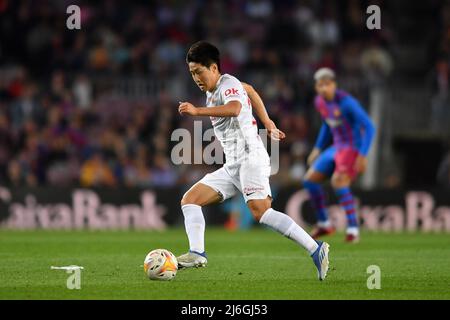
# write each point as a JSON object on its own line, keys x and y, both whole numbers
{"x": 232, "y": 92}
{"x": 337, "y": 112}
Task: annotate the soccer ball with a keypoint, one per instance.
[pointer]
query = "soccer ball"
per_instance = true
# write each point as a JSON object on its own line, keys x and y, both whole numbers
{"x": 160, "y": 264}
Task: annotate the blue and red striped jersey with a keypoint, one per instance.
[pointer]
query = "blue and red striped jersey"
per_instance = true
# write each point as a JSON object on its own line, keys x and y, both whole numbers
{"x": 345, "y": 121}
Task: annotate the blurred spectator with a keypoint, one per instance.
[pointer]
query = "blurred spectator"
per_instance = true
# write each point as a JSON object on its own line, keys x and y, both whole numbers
{"x": 163, "y": 174}
{"x": 25, "y": 107}
{"x": 112, "y": 88}
{"x": 82, "y": 91}
{"x": 440, "y": 104}
{"x": 138, "y": 174}
{"x": 377, "y": 64}
{"x": 259, "y": 8}
{"x": 95, "y": 172}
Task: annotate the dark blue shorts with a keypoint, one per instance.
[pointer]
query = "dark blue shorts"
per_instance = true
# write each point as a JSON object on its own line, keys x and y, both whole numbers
{"x": 325, "y": 162}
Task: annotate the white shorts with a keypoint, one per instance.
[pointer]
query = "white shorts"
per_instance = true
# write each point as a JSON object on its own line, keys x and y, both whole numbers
{"x": 251, "y": 180}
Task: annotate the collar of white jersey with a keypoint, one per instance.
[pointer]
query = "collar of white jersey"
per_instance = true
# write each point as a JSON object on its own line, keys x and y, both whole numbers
{"x": 218, "y": 82}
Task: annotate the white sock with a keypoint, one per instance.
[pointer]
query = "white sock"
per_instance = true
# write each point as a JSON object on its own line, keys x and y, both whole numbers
{"x": 194, "y": 223}
{"x": 353, "y": 230}
{"x": 287, "y": 227}
{"x": 324, "y": 224}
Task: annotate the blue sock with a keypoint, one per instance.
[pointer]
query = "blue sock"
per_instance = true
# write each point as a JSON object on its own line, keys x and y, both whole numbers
{"x": 317, "y": 196}
{"x": 347, "y": 203}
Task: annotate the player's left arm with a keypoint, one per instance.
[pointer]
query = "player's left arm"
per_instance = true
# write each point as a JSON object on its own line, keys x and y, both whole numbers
{"x": 261, "y": 112}
{"x": 362, "y": 119}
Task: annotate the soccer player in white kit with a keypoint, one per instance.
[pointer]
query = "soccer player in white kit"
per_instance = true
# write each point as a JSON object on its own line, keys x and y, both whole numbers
{"x": 247, "y": 166}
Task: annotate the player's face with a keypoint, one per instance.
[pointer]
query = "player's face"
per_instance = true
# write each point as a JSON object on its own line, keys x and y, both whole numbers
{"x": 204, "y": 77}
{"x": 326, "y": 88}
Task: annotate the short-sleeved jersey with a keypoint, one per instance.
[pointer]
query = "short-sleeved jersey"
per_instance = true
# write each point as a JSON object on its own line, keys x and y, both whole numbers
{"x": 345, "y": 121}
{"x": 237, "y": 135}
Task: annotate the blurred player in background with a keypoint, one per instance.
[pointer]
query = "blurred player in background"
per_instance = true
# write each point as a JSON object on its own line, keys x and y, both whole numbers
{"x": 247, "y": 167}
{"x": 349, "y": 127}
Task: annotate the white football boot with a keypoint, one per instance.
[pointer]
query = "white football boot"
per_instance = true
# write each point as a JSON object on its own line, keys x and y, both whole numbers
{"x": 192, "y": 259}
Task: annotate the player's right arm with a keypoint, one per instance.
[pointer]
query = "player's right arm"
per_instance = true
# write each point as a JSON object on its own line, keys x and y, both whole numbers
{"x": 322, "y": 140}
{"x": 230, "y": 109}
{"x": 261, "y": 112}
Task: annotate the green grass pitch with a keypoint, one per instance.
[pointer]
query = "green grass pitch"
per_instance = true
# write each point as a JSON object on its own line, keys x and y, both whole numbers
{"x": 256, "y": 264}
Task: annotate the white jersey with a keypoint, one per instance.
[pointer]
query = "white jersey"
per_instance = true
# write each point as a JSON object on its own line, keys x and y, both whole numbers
{"x": 237, "y": 135}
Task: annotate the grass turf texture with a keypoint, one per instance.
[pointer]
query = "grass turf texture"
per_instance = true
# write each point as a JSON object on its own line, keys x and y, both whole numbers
{"x": 257, "y": 264}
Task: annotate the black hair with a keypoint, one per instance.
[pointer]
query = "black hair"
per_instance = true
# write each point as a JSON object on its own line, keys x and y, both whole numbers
{"x": 204, "y": 53}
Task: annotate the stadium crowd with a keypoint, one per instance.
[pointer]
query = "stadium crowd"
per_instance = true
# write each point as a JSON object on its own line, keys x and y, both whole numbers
{"x": 62, "y": 123}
